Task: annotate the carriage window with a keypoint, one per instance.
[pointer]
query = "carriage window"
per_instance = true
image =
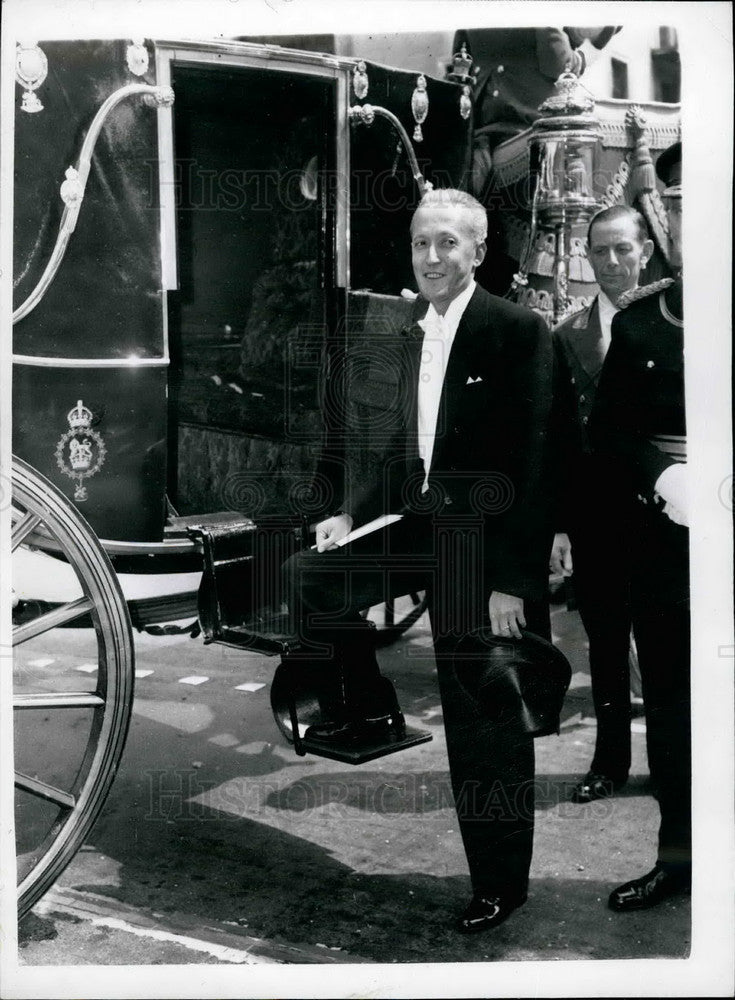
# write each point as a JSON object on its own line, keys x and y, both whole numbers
{"x": 254, "y": 246}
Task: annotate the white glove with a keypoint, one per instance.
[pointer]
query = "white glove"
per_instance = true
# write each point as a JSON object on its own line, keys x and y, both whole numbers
{"x": 673, "y": 487}
{"x": 675, "y": 515}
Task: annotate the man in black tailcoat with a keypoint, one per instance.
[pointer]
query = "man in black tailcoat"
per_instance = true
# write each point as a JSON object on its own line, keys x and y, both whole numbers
{"x": 465, "y": 447}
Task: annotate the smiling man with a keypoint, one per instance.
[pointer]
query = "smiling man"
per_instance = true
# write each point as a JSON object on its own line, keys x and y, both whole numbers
{"x": 464, "y": 467}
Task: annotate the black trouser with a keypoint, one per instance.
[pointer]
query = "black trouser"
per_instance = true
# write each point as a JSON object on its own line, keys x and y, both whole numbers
{"x": 602, "y": 590}
{"x": 661, "y": 625}
{"x": 492, "y": 767}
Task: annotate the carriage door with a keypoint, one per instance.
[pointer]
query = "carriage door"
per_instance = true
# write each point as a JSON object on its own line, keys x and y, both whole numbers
{"x": 249, "y": 231}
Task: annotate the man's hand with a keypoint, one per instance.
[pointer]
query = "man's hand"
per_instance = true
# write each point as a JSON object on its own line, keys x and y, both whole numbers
{"x": 506, "y": 614}
{"x": 331, "y": 531}
{"x": 560, "y": 560}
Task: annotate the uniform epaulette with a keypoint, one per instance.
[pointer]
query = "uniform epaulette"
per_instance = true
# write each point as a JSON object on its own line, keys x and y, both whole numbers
{"x": 634, "y": 294}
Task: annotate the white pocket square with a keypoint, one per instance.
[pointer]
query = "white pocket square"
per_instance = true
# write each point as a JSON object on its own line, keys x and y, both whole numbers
{"x": 472, "y": 381}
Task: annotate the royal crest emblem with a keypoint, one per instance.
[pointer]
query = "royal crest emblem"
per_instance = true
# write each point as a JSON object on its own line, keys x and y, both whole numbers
{"x": 81, "y": 451}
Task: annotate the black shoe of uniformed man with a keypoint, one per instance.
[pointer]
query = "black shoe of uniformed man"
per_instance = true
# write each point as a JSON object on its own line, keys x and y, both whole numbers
{"x": 651, "y": 889}
{"x": 487, "y": 911}
{"x": 595, "y": 785}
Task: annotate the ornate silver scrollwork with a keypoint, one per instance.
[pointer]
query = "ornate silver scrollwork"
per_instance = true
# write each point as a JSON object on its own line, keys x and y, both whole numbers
{"x": 419, "y": 107}
{"x": 31, "y": 69}
{"x": 615, "y": 191}
{"x": 159, "y": 97}
{"x": 136, "y": 56}
{"x": 360, "y": 82}
{"x": 72, "y": 189}
{"x": 364, "y": 114}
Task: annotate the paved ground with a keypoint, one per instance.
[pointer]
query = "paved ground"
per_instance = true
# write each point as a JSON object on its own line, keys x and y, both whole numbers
{"x": 219, "y": 845}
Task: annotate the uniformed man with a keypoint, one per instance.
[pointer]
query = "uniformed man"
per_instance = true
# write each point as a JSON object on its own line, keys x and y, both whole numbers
{"x": 516, "y": 71}
{"x": 593, "y": 512}
{"x": 638, "y": 426}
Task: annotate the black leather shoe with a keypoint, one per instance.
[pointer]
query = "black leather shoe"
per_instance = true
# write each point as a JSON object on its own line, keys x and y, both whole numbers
{"x": 595, "y": 786}
{"x": 647, "y": 891}
{"x": 382, "y": 728}
{"x": 486, "y": 912}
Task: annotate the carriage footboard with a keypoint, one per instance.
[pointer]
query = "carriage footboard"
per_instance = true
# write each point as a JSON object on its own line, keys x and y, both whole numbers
{"x": 240, "y": 601}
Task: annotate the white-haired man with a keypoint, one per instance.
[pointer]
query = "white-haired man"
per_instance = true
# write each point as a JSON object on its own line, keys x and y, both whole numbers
{"x": 465, "y": 456}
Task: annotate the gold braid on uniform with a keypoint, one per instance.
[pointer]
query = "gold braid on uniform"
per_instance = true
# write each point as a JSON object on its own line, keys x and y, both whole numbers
{"x": 634, "y": 294}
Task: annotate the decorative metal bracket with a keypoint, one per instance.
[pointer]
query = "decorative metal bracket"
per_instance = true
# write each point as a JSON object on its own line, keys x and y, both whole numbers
{"x": 137, "y": 58}
{"x": 73, "y": 187}
{"x": 465, "y": 102}
{"x": 364, "y": 114}
{"x": 419, "y": 107}
{"x": 31, "y": 69}
{"x": 360, "y": 82}
{"x": 159, "y": 97}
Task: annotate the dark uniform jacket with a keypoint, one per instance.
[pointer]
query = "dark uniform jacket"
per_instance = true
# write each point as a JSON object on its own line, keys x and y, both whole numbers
{"x": 641, "y": 391}
{"x": 638, "y": 423}
{"x": 580, "y": 353}
{"x": 517, "y": 71}
{"x": 491, "y": 439}
{"x": 585, "y": 494}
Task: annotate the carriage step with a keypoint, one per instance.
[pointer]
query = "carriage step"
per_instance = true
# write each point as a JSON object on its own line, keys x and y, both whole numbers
{"x": 179, "y": 527}
{"x": 258, "y": 637}
{"x": 360, "y": 753}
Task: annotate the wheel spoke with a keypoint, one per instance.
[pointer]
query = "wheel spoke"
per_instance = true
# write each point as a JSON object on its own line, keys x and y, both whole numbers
{"x": 24, "y": 527}
{"x": 43, "y": 791}
{"x": 52, "y": 619}
{"x": 70, "y": 699}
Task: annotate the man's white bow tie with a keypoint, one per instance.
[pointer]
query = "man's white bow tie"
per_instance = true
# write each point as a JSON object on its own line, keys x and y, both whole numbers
{"x": 434, "y": 326}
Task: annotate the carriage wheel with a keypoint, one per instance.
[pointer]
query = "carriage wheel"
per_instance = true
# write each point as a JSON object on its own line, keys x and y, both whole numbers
{"x": 68, "y": 740}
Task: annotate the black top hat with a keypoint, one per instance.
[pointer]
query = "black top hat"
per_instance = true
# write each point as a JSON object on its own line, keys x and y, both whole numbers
{"x": 667, "y": 163}
{"x": 523, "y": 678}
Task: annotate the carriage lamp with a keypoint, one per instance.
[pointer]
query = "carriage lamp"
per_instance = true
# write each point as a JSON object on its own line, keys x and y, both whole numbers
{"x": 31, "y": 69}
{"x": 562, "y": 145}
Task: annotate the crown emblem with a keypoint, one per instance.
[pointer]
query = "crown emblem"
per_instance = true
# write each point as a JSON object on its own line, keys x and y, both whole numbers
{"x": 79, "y": 418}
{"x": 81, "y": 451}
{"x": 461, "y": 65}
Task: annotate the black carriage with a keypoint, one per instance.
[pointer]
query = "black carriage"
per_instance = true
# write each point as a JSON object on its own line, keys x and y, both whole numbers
{"x": 230, "y": 227}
